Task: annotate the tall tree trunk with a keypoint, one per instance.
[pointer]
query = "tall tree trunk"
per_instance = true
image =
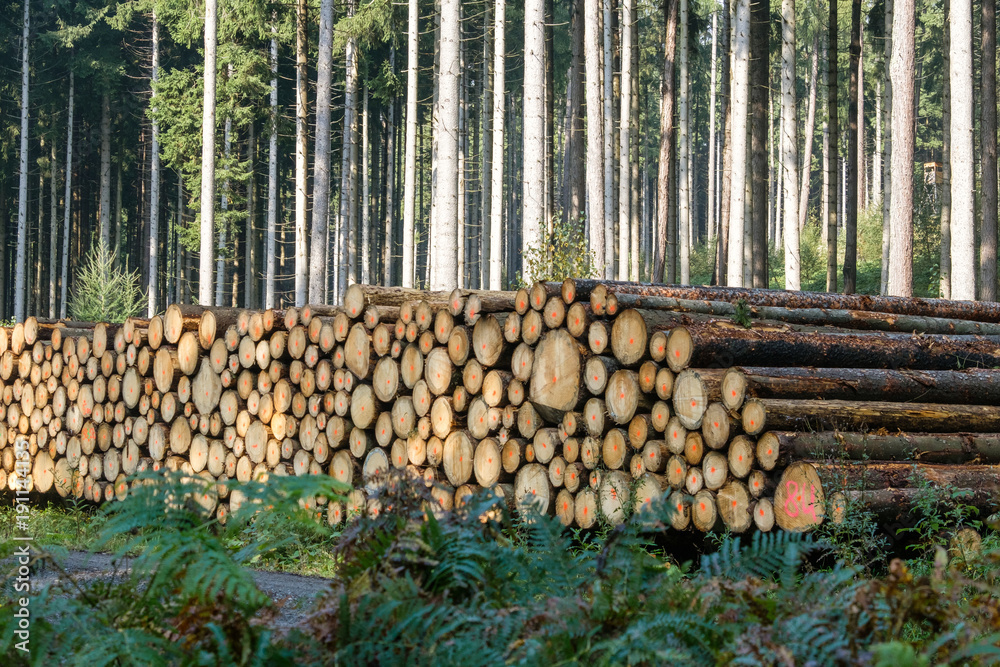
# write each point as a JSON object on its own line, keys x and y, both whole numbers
{"x": 461, "y": 254}
{"x": 251, "y": 256}
{"x": 67, "y": 197}
{"x": 105, "y": 208}
{"x": 963, "y": 182}
{"x": 834, "y": 143}
{"x": 664, "y": 240}
{"x": 595, "y": 133}
{"x": 410, "y": 149}
{"x": 760, "y": 69}
{"x": 550, "y": 139}
{"x": 740, "y": 101}
{"x": 877, "y": 151}
{"x": 220, "y": 261}
{"x": 887, "y": 157}
{"x": 534, "y": 131}
{"x": 301, "y": 152}
{"x": 683, "y": 191}
{"x": 633, "y": 122}
{"x": 366, "y": 226}
{"x": 901, "y": 69}
{"x": 772, "y": 188}
{"x": 861, "y": 170}
{"x": 496, "y": 176}
{"x": 390, "y": 183}
{"x": 53, "y": 228}
{"x": 205, "y": 291}
{"x": 625, "y": 143}
{"x": 789, "y": 152}
{"x": 712, "y": 172}
{"x": 272, "y": 174}
{"x": 444, "y": 272}
{"x": 945, "y": 265}
{"x": 988, "y": 142}
{"x": 574, "y": 205}
{"x": 321, "y": 156}
{"x": 154, "y": 183}
{"x": 722, "y": 247}
{"x": 853, "y": 157}
{"x": 609, "y": 151}
{"x": 808, "y": 139}
{"x": 347, "y": 237}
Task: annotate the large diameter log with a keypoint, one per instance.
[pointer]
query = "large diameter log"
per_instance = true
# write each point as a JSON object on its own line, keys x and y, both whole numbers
{"x": 555, "y": 375}
{"x": 798, "y": 500}
{"x": 926, "y": 447}
{"x": 533, "y": 492}
{"x": 847, "y": 319}
{"x": 978, "y": 311}
{"x": 967, "y": 387}
{"x": 788, "y": 415}
{"x": 714, "y": 346}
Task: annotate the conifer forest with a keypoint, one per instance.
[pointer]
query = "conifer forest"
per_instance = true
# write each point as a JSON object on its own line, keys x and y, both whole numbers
{"x": 258, "y": 154}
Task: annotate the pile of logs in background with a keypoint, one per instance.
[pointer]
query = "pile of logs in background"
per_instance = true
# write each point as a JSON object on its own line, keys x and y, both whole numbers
{"x": 586, "y": 399}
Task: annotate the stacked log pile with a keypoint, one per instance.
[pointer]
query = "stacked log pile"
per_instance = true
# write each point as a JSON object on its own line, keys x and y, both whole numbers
{"x": 586, "y": 399}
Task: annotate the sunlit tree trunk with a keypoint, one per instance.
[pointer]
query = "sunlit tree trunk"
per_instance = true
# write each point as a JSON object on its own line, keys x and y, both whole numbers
{"x": 595, "y": 132}
{"x": 496, "y": 176}
{"x": 321, "y": 156}
{"x": 710, "y": 224}
{"x": 220, "y": 261}
{"x": 272, "y": 175}
{"x": 410, "y": 150}
{"x": 205, "y": 291}
{"x": 683, "y": 191}
{"x": 366, "y": 221}
{"x": 390, "y": 183}
{"x": 963, "y": 183}
{"x": 444, "y": 272}
{"x": 901, "y": 69}
{"x": 738, "y": 138}
{"x": 664, "y": 240}
{"x": 634, "y": 205}
{"x": 755, "y": 248}
{"x": 944, "y": 269}
{"x": 609, "y": 151}
{"x": 789, "y": 153}
{"x": 154, "y": 184}
{"x": 534, "y": 130}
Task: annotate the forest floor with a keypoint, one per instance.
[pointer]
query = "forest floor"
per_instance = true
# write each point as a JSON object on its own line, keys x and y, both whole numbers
{"x": 293, "y": 594}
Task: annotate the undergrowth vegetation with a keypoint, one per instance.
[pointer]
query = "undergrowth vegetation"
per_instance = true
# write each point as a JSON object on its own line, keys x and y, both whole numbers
{"x": 481, "y": 587}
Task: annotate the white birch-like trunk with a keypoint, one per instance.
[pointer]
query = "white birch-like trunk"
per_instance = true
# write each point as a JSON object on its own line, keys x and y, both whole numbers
{"x": 205, "y": 291}
{"x": 410, "y": 149}
{"x": 609, "y": 150}
{"x": 444, "y": 272}
{"x": 683, "y": 158}
{"x": 272, "y": 176}
{"x": 321, "y": 156}
{"x": 346, "y": 233}
{"x": 53, "y": 227}
{"x": 104, "y": 215}
{"x": 740, "y": 104}
{"x": 153, "y": 270}
{"x": 877, "y": 153}
{"x": 67, "y": 198}
{"x": 901, "y": 68}
{"x": 496, "y": 175}
{"x": 595, "y": 133}
{"x": 789, "y": 155}
{"x": 810, "y": 129}
{"x": 534, "y": 132}
{"x": 710, "y": 209}
{"x": 366, "y": 230}
{"x": 963, "y": 183}
{"x": 301, "y": 156}
{"x": 625, "y": 164}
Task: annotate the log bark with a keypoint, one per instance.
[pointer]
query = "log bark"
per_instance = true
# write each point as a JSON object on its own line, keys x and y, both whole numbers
{"x": 873, "y": 415}
{"x": 714, "y": 346}
{"x": 978, "y": 311}
{"x": 924, "y": 447}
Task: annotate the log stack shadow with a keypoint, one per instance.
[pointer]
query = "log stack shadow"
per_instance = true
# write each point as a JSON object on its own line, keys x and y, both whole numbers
{"x": 583, "y": 399}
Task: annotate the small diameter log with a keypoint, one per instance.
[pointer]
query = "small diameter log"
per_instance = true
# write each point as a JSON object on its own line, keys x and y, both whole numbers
{"x": 488, "y": 341}
{"x": 799, "y": 499}
{"x": 473, "y": 376}
{"x": 532, "y": 327}
{"x": 925, "y": 447}
{"x": 586, "y": 510}
{"x": 495, "y": 388}
{"x": 763, "y": 515}
{"x": 458, "y": 458}
{"x": 715, "y": 469}
{"x": 438, "y": 372}
{"x": 740, "y": 456}
{"x": 365, "y": 407}
{"x": 717, "y": 425}
{"x": 733, "y": 501}
{"x": 554, "y": 313}
{"x": 704, "y": 513}
{"x": 596, "y": 373}
{"x": 578, "y": 320}
{"x": 206, "y": 389}
{"x": 565, "y": 507}
{"x": 487, "y": 462}
{"x": 929, "y": 417}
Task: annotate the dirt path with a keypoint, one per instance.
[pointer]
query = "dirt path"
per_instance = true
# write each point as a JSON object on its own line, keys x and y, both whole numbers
{"x": 296, "y": 591}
